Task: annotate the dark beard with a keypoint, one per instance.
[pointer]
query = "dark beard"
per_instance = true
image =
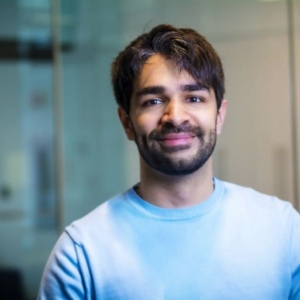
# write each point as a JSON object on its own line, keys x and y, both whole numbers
{"x": 156, "y": 158}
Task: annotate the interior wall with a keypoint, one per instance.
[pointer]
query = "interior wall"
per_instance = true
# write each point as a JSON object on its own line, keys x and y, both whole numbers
{"x": 296, "y": 61}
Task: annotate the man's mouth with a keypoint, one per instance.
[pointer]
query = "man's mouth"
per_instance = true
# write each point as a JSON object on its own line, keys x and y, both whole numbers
{"x": 176, "y": 139}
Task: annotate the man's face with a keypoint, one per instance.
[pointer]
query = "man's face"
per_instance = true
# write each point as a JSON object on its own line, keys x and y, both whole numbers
{"x": 173, "y": 119}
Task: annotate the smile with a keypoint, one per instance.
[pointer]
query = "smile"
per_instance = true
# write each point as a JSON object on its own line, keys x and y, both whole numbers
{"x": 177, "y": 139}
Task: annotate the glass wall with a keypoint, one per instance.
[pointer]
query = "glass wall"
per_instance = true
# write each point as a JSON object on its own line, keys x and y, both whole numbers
{"x": 63, "y": 151}
{"x": 94, "y": 161}
{"x": 27, "y": 189}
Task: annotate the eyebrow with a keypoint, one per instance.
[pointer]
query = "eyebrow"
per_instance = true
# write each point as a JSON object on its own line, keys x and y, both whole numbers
{"x": 154, "y": 90}
{"x": 194, "y": 87}
{"x": 151, "y": 90}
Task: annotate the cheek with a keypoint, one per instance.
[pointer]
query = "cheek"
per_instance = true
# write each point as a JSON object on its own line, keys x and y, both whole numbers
{"x": 205, "y": 120}
{"x": 144, "y": 124}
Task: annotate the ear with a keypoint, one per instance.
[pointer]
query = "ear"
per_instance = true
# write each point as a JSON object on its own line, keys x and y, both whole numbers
{"x": 221, "y": 116}
{"x": 126, "y": 122}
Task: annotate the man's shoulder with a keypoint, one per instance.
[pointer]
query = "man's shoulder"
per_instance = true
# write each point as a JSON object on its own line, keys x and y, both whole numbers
{"x": 250, "y": 200}
{"x": 100, "y": 219}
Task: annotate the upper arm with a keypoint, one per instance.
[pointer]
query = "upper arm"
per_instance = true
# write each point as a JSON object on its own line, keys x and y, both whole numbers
{"x": 62, "y": 277}
{"x": 295, "y": 256}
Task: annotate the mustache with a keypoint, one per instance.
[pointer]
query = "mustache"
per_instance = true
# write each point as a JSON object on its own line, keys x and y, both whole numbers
{"x": 169, "y": 128}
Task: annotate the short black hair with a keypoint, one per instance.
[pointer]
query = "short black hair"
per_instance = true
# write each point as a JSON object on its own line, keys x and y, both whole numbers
{"x": 188, "y": 49}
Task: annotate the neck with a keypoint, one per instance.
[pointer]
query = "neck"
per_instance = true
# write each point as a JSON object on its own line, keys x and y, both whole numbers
{"x": 176, "y": 191}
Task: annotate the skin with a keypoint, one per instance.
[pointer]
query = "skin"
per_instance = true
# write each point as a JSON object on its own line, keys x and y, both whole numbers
{"x": 161, "y": 97}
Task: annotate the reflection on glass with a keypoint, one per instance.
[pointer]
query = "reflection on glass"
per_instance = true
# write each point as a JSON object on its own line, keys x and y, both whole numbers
{"x": 27, "y": 202}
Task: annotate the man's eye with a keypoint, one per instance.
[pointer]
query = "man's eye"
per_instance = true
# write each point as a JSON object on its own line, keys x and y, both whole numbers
{"x": 194, "y": 99}
{"x": 152, "y": 102}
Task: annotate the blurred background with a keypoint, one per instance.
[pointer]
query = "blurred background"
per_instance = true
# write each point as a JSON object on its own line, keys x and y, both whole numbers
{"x": 63, "y": 151}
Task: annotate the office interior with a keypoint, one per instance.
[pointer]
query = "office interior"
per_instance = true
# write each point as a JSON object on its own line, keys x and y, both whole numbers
{"x": 63, "y": 151}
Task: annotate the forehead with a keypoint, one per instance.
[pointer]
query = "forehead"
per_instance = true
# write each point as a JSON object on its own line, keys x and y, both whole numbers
{"x": 158, "y": 70}
{"x": 161, "y": 72}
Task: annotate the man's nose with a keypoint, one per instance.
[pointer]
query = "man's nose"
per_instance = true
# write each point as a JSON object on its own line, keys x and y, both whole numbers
{"x": 175, "y": 113}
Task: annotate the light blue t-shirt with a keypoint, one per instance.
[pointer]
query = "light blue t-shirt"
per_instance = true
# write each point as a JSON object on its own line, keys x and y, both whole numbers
{"x": 237, "y": 245}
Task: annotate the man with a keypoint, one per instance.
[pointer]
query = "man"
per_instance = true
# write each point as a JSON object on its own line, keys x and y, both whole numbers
{"x": 179, "y": 233}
